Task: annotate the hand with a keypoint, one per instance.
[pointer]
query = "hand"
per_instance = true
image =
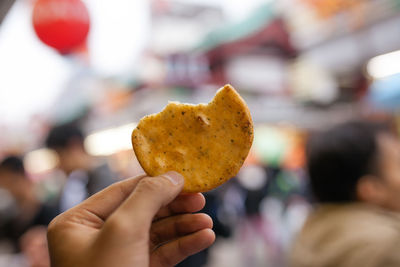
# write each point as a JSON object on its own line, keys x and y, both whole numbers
{"x": 137, "y": 222}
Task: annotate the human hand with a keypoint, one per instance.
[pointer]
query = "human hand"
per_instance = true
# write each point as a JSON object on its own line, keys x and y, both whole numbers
{"x": 137, "y": 222}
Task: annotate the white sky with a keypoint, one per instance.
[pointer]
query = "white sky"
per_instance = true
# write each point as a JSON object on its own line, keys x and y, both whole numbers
{"x": 33, "y": 75}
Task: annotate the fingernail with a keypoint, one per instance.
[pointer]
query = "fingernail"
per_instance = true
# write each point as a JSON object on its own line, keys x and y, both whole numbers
{"x": 174, "y": 177}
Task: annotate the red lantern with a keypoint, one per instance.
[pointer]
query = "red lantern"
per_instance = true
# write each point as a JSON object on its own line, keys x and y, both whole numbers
{"x": 61, "y": 24}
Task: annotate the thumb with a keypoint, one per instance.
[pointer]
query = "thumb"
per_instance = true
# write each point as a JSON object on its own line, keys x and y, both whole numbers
{"x": 149, "y": 196}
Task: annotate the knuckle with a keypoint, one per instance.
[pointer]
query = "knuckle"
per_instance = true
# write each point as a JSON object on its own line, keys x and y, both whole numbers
{"x": 182, "y": 250}
{"x": 52, "y": 228}
{"x": 117, "y": 225}
{"x": 154, "y": 238}
{"x": 124, "y": 227}
{"x": 164, "y": 259}
{"x": 57, "y": 228}
{"x": 150, "y": 184}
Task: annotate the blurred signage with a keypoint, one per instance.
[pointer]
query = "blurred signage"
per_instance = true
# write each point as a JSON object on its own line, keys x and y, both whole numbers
{"x": 328, "y": 8}
{"x": 313, "y": 22}
{"x": 358, "y": 12}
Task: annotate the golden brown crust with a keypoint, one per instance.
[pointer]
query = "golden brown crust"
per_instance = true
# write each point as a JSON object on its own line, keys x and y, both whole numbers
{"x": 207, "y": 144}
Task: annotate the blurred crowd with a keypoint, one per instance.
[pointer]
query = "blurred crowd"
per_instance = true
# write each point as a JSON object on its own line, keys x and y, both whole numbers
{"x": 263, "y": 204}
{"x": 350, "y": 196}
{"x": 26, "y": 210}
{"x": 333, "y": 210}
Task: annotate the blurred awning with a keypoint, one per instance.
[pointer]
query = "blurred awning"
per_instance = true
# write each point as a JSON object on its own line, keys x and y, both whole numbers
{"x": 263, "y": 27}
{"x": 232, "y": 32}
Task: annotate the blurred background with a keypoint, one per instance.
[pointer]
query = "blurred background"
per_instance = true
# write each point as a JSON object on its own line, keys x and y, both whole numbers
{"x": 76, "y": 76}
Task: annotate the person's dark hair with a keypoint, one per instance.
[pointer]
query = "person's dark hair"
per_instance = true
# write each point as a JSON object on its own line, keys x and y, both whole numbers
{"x": 339, "y": 157}
{"x": 13, "y": 164}
{"x": 61, "y": 136}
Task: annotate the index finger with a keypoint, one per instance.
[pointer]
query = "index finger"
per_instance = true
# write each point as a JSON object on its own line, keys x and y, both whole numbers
{"x": 183, "y": 203}
{"x": 105, "y": 202}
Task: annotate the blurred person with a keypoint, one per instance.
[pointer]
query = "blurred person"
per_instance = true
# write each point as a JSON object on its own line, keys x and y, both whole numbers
{"x": 27, "y": 210}
{"x": 34, "y": 247}
{"x": 86, "y": 175}
{"x": 256, "y": 231}
{"x": 142, "y": 221}
{"x": 213, "y": 206}
{"x": 354, "y": 171}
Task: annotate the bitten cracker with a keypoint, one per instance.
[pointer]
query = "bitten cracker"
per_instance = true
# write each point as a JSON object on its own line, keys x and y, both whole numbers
{"x": 206, "y": 143}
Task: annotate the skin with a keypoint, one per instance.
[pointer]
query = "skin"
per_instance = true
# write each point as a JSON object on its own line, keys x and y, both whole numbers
{"x": 384, "y": 191}
{"x": 142, "y": 221}
{"x": 22, "y": 189}
{"x": 74, "y": 157}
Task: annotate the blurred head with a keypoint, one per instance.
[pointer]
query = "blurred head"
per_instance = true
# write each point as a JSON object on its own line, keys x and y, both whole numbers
{"x": 67, "y": 141}
{"x": 355, "y": 161}
{"x": 13, "y": 177}
{"x": 13, "y": 164}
